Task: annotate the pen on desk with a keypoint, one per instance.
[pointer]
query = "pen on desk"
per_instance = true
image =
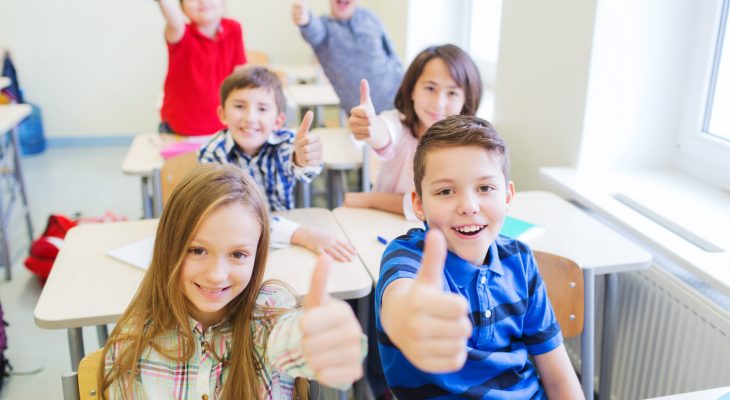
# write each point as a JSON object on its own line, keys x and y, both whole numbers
{"x": 382, "y": 240}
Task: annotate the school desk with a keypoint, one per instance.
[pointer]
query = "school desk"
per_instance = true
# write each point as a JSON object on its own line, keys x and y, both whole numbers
{"x": 341, "y": 154}
{"x": 12, "y": 175}
{"x": 569, "y": 232}
{"x": 87, "y": 287}
{"x": 312, "y": 96}
{"x": 142, "y": 158}
{"x": 298, "y": 73}
{"x": 4, "y": 82}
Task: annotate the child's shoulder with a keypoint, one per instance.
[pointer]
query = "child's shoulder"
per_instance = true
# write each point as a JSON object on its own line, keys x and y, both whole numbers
{"x": 275, "y": 295}
{"x": 514, "y": 251}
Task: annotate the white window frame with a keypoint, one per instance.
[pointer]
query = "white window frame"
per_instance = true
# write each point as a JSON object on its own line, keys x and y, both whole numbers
{"x": 699, "y": 153}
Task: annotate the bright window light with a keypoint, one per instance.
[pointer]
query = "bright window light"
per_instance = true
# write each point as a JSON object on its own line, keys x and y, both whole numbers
{"x": 717, "y": 120}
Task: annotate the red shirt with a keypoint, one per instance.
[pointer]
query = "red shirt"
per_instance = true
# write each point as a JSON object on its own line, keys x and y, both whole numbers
{"x": 196, "y": 68}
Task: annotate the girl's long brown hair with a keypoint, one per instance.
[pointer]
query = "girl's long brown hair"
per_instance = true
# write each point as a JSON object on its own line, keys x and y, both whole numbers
{"x": 159, "y": 305}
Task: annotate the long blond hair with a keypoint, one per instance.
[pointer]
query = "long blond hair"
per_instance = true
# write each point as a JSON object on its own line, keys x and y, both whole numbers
{"x": 159, "y": 305}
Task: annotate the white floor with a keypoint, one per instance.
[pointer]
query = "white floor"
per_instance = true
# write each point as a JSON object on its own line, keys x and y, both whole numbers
{"x": 86, "y": 180}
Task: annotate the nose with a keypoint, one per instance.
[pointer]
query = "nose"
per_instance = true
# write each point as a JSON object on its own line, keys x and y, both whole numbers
{"x": 443, "y": 99}
{"x": 468, "y": 204}
{"x": 216, "y": 272}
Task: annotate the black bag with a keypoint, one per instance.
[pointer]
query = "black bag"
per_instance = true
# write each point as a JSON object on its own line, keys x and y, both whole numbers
{"x": 4, "y": 364}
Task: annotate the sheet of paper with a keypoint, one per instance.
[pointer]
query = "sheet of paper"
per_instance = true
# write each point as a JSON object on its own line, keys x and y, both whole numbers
{"x": 522, "y": 230}
{"x": 138, "y": 253}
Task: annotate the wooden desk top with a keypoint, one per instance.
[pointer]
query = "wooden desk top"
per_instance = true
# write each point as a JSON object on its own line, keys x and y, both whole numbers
{"x": 11, "y": 115}
{"x": 340, "y": 150}
{"x": 568, "y": 232}
{"x": 307, "y": 72}
{"x": 143, "y": 155}
{"x": 88, "y": 287}
{"x": 311, "y": 95}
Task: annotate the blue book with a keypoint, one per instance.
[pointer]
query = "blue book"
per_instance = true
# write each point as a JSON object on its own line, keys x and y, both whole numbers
{"x": 518, "y": 229}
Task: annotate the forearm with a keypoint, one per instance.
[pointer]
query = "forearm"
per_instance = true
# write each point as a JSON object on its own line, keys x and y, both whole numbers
{"x": 174, "y": 19}
{"x": 391, "y": 312}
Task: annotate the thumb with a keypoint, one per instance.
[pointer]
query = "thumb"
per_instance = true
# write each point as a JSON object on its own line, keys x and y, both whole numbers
{"x": 432, "y": 263}
{"x": 365, "y": 92}
{"x": 304, "y": 127}
{"x": 318, "y": 288}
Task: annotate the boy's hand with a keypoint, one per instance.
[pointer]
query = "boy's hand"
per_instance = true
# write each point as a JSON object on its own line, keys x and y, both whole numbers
{"x": 331, "y": 334}
{"x": 308, "y": 149}
{"x": 300, "y": 12}
{"x": 361, "y": 117}
{"x": 431, "y": 326}
{"x": 318, "y": 242}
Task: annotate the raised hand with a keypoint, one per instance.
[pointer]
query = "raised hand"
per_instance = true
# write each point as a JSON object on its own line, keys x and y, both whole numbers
{"x": 308, "y": 149}
{"x": 300, "y": 12}
{"x": 332, "y": 338}
{"x": 361, "y": 117}
{"x": 429, "y": 325}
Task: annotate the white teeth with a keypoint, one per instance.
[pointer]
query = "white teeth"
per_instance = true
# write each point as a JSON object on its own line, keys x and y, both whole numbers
{"x": 208, "y": 290}
{"x": 469, "y": 228}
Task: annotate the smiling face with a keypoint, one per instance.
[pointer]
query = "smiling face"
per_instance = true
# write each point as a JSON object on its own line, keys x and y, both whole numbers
{"x": 219, "y": 262}
{"x": 251, "y": 115}
{"x": 203, "y": 12}
{"x": 464, "y": 195}
{"x": 436, "y": 95}
{"x": 343, "y": 9}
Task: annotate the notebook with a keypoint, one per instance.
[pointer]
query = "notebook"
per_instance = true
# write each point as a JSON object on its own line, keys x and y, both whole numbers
{"x": 138, "y": 253}
{"x": 519, "y": 229}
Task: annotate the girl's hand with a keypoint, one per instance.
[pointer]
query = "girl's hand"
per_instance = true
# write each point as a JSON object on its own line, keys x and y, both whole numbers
{"x": 308, "y": 150}
{"x": 362, "y": 116}
{"x": 332, "y": 337}
{"x": 319, "y": 242}
{"x": 300, "y": 12}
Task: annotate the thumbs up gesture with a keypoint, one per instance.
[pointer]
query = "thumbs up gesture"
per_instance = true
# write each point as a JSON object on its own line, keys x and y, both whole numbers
{"x": 362, "y": 116}
{"x": 332, "y": 337}
{"x": 430, "y": 326}
{"x": 300, "y": 12}
{"x": 308, "y": 149}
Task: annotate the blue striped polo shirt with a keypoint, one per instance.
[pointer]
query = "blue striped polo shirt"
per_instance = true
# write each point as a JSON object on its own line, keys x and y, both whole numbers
{"x": 509, "y": 310}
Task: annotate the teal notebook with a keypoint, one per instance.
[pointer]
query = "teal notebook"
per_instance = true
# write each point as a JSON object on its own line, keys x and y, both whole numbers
{"x": 518, "y": 229}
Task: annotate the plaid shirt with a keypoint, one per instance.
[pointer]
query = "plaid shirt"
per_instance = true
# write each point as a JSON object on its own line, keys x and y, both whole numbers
{"x": 203, "y": 374}
{"x": 272, "y": 167}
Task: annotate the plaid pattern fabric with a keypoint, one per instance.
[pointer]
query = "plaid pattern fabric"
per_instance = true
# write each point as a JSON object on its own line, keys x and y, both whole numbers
{"x": 273, "y": 167}
{"x": 204, "y": 374}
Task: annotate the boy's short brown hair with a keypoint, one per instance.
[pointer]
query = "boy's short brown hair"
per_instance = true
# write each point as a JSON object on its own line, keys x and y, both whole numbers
{"x": 254, "y": 76}
{"x": 459, "y": 131}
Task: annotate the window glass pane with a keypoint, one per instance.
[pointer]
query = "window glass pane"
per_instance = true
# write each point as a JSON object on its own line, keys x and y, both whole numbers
{"x": 719, "y": 117}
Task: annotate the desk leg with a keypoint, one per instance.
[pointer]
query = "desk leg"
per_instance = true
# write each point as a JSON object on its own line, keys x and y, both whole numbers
{"x": 146, "y": 198}
{"x": 75, "y": 346}
{"x": 304, "y": 195}
{"x": 587, "y": 346}
{"x": 365, "y": 169}
{"x": 6, "y": 242}
{"x": 610, "y": 318}
{"x": 363, "y": 315}
{"x": 102, "y": 333}
{"x": 19, "y": 180}
{"x": 336, "y": 186}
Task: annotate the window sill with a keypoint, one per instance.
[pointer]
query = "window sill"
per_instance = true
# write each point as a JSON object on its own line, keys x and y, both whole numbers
{"x": 675, "y": 215}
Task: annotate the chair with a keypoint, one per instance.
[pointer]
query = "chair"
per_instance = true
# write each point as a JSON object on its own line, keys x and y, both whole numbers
{"x": 82, "y": 385}
{"x": 166, "y": 178}
{"x": 564, "y": 283}
{"x": 257, "y": 57}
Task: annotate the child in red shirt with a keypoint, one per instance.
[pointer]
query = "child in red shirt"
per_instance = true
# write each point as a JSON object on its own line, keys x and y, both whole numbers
{"x": 202, "y": 52}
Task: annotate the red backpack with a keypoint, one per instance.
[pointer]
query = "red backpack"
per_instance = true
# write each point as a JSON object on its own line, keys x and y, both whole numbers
{"x": 43, "y": 251}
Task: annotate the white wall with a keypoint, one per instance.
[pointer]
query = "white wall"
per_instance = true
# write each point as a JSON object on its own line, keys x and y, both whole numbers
{"x": 96, "y": 67}
{"x": 435, "y": 22}
{"x": 542, "y": 78}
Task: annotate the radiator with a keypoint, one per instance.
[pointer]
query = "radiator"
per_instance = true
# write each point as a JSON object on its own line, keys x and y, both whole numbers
{"x": 669, "y": 339}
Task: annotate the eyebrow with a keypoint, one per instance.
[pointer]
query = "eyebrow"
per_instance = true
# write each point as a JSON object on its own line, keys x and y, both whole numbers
{"x": 436, "y": 83}
{"x": 449, "y": 180}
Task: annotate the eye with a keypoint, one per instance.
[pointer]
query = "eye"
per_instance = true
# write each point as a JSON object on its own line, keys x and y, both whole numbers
{"x": 454, "y": 93}
{"x": 263, "y": 109}
{"x": 485, "y": 188}
{"x": 429, "y": 88}
{"x": 197, "y": 251}
{"x": 239, "y": 255}
{"x": 445, "y": 192}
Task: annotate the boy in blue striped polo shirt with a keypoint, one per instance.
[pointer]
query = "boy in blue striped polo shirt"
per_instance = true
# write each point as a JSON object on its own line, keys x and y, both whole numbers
{"x": 252, "y": 109}
{"x": 460, "y": 309}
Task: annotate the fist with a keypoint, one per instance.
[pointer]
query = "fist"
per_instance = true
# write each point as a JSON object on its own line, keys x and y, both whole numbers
{"x": 308, "y": 150}
{"x": 300, "y": 12}
{"x": 361, "y": 116}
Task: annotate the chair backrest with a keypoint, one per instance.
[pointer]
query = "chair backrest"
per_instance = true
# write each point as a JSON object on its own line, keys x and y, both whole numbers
{"x": 166, "y": 178}
{"x": 564, "y": 282}
{"x": 257, "y": 57}
{"x": 88, "y": 370}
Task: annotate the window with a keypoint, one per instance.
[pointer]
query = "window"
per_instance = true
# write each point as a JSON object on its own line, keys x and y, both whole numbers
{"x": 717, "y": 116}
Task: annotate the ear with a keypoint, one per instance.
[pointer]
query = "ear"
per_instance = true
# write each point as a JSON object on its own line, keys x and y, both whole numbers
{"x": 221, "y": 115}
{"x": 279, "y": 121}
{"x": 418, "y": 206}
{"x": 510, "y": 192}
